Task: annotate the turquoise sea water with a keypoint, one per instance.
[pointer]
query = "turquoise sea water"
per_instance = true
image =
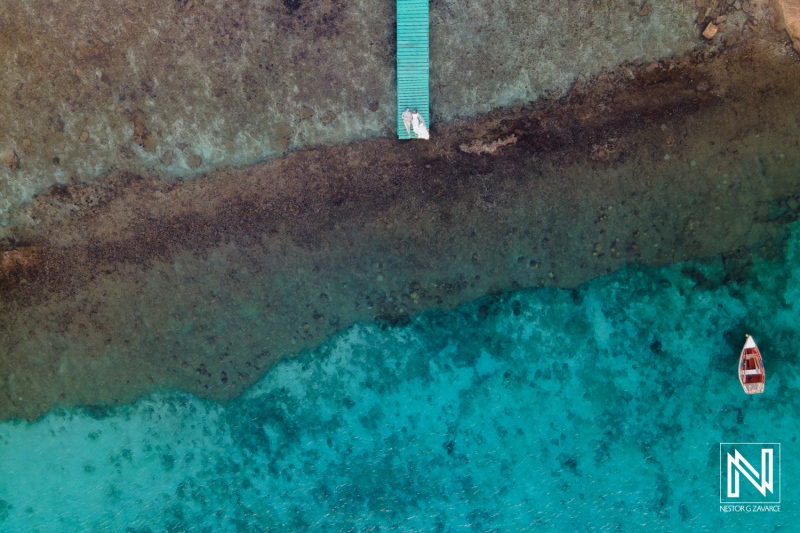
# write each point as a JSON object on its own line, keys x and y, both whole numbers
{"x": 597, "y": 409}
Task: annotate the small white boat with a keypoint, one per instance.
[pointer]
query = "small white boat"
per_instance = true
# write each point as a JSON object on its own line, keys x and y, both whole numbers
{"x": 751, "y": 368}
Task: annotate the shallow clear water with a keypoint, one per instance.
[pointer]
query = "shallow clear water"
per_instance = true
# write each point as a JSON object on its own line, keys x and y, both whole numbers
{"x": 595, "y": 409}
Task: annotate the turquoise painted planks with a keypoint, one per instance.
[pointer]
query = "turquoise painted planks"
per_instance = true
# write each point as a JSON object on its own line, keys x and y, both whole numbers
{"x": 413, "y": 61}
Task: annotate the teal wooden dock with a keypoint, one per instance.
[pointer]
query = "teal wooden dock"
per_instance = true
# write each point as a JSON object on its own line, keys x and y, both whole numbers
{"x": 413, "y": 63}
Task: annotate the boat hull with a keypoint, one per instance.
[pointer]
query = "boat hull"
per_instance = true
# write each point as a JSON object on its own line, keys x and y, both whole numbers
{"x": 751, "y": 371}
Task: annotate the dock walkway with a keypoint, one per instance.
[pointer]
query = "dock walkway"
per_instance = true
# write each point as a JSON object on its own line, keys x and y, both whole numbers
{"x": 413, "y": 63}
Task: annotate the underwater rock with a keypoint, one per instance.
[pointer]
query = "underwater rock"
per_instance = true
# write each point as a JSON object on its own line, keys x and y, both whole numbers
{"x": 93, "y": 51}
{"x": 281, "y": 136}
{"x": 18, "y": 264}
{"x": 710, "y": 31}
{"x": 141, "y": 134}
{"x": 194, "y": 161}
{"x": 10, "y": 158}
{"x": 150, "y": 142}
{"x": 790, "y": 15}
{"x": 328, "y": 118}
{"x": 478, "y": 148}
{"x": 306, "y": 112}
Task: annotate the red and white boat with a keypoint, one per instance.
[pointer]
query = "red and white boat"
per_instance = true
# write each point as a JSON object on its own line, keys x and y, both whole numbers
{"x": 751, "y": 368}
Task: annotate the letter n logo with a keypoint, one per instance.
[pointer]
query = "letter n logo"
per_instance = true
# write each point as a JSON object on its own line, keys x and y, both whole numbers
{"x": 748, "y": 472}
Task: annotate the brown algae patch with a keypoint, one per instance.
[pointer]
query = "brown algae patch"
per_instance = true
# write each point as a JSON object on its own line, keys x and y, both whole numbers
{"x": 132, "y": 284}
